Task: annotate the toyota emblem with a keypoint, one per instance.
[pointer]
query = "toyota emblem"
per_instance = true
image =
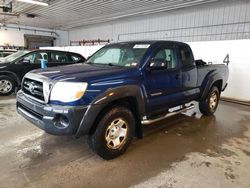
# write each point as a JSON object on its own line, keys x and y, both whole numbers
{"x": 32, "y": 88}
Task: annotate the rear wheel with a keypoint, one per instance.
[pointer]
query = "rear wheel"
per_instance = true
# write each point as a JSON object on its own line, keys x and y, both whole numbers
{"x": 114, "y": 133}
{"x": 7, "y": 86}
{"x": 210, "y": 104}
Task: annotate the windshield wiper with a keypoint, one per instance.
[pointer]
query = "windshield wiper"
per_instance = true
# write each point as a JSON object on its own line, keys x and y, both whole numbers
{"x": 89, "y": 62}
{"x": 104, "y": 64}
{"x": 112, "y": 64}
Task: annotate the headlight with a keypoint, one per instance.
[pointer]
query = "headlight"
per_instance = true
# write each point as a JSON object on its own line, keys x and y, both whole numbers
{"x": 68, "y": 91}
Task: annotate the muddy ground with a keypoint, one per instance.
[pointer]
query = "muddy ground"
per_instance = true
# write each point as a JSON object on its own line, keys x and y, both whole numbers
{"x": 182, "y": 151}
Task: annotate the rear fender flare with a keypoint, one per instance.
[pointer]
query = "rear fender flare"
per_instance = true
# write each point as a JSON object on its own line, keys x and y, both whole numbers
{"x": 208, "y": 82}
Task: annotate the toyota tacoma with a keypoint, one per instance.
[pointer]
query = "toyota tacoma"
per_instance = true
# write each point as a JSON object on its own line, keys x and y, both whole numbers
{"x": 120, "y": 88}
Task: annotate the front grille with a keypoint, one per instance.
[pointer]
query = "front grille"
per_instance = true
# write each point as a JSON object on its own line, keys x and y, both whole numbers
{"x": 33, "y": 88}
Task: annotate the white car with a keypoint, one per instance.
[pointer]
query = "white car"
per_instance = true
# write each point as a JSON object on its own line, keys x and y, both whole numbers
{"x": 5, "y": 53}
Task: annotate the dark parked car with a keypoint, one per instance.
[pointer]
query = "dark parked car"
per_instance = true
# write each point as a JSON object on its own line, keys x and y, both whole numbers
{"x": 119, "y": 89}
{"x": 15, "y": 66}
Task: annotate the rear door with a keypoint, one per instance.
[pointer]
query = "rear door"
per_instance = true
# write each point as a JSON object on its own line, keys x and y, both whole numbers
{"x": 163, "y": 87}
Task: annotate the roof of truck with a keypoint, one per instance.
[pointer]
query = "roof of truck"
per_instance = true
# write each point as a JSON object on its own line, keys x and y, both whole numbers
{"x": 150, "y": 42}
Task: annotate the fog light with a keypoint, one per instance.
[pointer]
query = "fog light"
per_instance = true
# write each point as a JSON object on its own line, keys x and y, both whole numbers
{"x": 61, "y": 121}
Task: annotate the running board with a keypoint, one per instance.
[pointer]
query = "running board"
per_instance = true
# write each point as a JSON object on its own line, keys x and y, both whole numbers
{"x": 182, "y": 110}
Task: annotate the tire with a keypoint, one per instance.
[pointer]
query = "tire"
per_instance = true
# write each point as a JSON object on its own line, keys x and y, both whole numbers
{"x": 210, "y": 104}
{"x": 7, "y": 86}
{"x": 113, "y": 133}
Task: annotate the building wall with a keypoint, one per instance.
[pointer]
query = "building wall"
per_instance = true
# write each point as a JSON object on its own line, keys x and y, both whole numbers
{"x": 16, "y": 37}
{"x": 224, "y": 20}
{"x": 239, "y": 66}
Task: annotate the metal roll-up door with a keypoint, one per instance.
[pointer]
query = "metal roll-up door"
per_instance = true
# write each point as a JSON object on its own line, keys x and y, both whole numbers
{"x": 36, "y": 41}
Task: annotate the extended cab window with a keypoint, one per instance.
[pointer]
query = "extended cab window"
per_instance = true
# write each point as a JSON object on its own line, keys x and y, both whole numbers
{"x": 186, "y": 58}
{"x": 168, "y": 56}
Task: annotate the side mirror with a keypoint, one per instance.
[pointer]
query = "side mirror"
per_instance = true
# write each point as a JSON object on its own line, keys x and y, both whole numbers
{"x": 25, "y": 61}
{"x": 158, "y": 64}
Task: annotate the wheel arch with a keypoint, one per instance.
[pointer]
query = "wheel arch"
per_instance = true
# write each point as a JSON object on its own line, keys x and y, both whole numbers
{"x": 129, "y": 102}
{"x": 218, "y": 84}
{"x": 12, "y": 75}
{"x": 130, "y": 96}
{"x": 213, "y": 79}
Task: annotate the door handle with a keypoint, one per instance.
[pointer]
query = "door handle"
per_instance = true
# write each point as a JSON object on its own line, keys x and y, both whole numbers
{"x": 177, "y": 76}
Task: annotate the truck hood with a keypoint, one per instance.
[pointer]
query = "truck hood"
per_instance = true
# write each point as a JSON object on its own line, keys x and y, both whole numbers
{"x": 84, "y": 72}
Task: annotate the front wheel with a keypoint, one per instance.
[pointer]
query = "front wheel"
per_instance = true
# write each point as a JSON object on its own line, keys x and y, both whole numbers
{"x": 113, "y": 133}
{"x": 7, "y": 86}
{"x": 210, "y": 104}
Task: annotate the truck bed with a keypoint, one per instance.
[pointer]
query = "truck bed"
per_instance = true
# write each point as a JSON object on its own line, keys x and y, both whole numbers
{"x": 207, "y": 69}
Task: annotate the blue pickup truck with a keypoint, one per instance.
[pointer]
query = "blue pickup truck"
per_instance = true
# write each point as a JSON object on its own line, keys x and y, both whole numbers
{"x": 120, "y": 88}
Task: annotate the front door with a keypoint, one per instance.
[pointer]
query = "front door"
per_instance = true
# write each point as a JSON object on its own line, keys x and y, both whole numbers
{"x": 28, "y": 63}
{"x": 163, "y": 86}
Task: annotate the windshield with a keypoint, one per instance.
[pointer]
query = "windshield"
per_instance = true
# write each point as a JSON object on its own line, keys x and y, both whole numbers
{"x": 123, "y": 54}
{"x": 14, "y": 56}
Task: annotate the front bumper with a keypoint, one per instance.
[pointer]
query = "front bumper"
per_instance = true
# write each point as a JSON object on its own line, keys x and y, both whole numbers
{"x": 47, "y": 117}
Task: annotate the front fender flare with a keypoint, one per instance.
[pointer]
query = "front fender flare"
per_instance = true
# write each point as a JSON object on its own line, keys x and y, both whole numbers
{"x": 107, "y": 97}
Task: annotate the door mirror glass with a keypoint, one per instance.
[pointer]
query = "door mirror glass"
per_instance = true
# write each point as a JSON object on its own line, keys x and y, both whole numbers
{"x": 158, "y": 64}
{"x": 28, "y": 59}
{"x": 25, "y": 61}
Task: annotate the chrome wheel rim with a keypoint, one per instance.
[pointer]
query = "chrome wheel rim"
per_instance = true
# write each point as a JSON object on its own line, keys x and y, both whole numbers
{"x": 5, "y": 86}
{"x": 116, "y": 133}
{"x": 213, "y": 101}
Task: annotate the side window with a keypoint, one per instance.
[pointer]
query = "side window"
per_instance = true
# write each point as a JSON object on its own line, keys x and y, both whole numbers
{"x": 185, "y": 57}
{"x": 167, "y": 55}
{"x": 75, "y": 58}
{"x": 29, "y": 57}
{"x": 35, "y": 58}
{"x": 5, "y": 54}
{"x": 44, "y": 55}
{"x": 59, "y": 57}
{"x": 38, "y": 57}
{"x": 32, "y": 58}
